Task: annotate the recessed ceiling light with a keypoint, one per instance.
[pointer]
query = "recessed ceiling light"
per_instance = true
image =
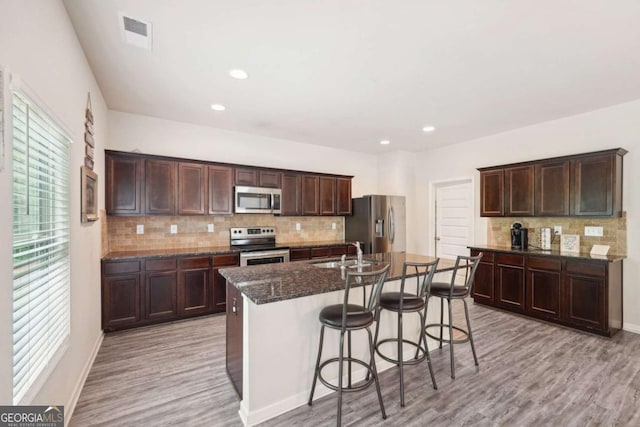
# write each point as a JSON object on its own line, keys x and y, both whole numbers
{"x": 385, "y": 142}
{"x": 238, "y": 74}
{"x": 218, "y": 107}
{"x": 428, "y": 128}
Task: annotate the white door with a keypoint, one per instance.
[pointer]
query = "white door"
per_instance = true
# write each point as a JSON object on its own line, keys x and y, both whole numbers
{"x": 454, "y": 218}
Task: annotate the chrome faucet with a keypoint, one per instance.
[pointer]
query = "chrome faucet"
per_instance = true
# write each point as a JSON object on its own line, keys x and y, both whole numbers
{"x": 357, "y": 245}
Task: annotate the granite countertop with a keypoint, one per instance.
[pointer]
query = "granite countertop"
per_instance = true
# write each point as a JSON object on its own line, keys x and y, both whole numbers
{"x": 550, "y": 253}
{"x": 207, "y": 250}
{"x": 268, "y": 283}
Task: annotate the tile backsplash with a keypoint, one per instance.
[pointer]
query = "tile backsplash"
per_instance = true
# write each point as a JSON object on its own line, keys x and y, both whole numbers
{"x": 192, "y": 230}
{"x": 614, "y": 231}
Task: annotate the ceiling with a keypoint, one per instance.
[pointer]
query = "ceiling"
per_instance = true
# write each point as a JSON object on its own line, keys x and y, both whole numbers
{"x": 349, "y": 73}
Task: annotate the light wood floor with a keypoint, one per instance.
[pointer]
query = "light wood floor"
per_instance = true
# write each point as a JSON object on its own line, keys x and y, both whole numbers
{"x": 530, "y": 374}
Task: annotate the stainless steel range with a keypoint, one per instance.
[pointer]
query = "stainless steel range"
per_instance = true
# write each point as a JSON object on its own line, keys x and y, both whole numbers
{"x": 257, "y": 245}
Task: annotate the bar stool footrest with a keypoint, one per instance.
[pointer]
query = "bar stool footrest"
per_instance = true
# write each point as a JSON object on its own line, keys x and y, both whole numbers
{"x": 421, "y": 355}
{"x": 446, "y": 326}
{"x": 346, "y": 388}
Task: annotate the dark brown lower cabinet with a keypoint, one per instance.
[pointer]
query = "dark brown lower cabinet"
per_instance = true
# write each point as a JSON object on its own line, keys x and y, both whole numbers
{"x": 160, "y": 294}
{"x": 121, "y": 300}
{"x": 581, "y": 293}
{"x": 219, "y": 282}
{"x": 234, "y": 337}
{"x": 194, "y": 296}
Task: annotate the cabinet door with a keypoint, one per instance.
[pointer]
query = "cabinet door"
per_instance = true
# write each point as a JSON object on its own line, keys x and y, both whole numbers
{"x": 510, "y": 281}
{"x": 219, "y": 282}
{"x": 321, "y": 252}
{"x": 593, "y": 186}
{"x": 160, "y": 186}
{"x": 543, "y": 287}
{"x": 246, "y": 176}
{"x": 338, "y": 250}
{"x": 192, "y": 189}
{"x": 120, "y": 300}
{"x": 233, "y": 336}
{"x": 310, "y": 195}
{"x": 269, "y": 179}
{"x": 492, "y": 193}
{"x": 160, "y": 296}
{"x": 552, "y": 188}
{"x": 482, "y": 290}
{"x": 194, "y": 290}
{"x": 343, "y": 190}
{"x": 585, "y": 294}
{"x": 299, "y": 254}
{"x": 519, "y": 191}
{"x": 220, "y": 190}
{"x": 291, "y": 203}
{"x": 327, "y": 196}
{"x": 123, "y": 185}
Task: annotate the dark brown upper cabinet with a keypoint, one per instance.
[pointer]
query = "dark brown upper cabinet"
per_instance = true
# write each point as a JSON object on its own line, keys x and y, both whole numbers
{"x": 160, "y": 187}
{"x": 258, "y": 177}
{"x": 343, "y": 202}
{"x": 519, "y": 191}
{"x": 552, "y": 188}
{"x": 220, "y": 190}
{"x": 291, "y": 202}
{"x": 492, "y": 193}
{"x": 587, "y": 184}
{"x": 192, "y": 189}
{"x": 327, "y": 195}
{"x": 597, "y": 185}
{"x": 124, "y": 184}
{"x": 310, "y": 194}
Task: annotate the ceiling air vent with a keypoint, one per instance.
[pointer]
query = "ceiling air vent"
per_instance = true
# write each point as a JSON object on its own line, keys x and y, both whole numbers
{"x": 135, "y": 31}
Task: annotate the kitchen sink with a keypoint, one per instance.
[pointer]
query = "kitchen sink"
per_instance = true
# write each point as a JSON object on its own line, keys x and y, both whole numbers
{"x": 351, "y": 263}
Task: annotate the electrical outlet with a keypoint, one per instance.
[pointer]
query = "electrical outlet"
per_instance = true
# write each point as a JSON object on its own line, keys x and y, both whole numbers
{"x": 140, "y": 229}
{"x": 210, "y": 228}
{"x": 297, "y": 226}
{"x": 593, "y": 231}
{"x": 557, "y": 229}
{"x": 173, "y": 229}
{"x": 333, "y": 225}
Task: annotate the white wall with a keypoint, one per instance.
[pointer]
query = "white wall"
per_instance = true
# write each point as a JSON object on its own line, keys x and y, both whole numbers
{"x": 163, "y": 137}
{"x": 38, "y": 43}
{"x": 612, "y": 127}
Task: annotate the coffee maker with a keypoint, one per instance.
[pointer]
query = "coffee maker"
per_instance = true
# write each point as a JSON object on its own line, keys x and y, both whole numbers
{"x": 519, "y": 236}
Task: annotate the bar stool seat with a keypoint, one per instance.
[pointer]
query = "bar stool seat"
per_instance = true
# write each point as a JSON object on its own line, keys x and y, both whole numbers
{"x": 357, "y": 316}
{"x": 442, "y": 290}
{"x": 391, "y": 301}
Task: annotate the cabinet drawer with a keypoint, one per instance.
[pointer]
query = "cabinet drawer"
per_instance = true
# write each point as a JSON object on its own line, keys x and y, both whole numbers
{"x": 320, "y": 252}
{"x": 510, "y": 259}
{"x": 198, "y": 262}
{"x": 299, "y": 254}
{"x": 543, "y": 263}
{"x": 160, "y": 264}
{"x": 339, "y": 250}
{"x": 121, "y": 267}
{"x": 225, "y": 260}
{"x": 486, "y": 256}
{"x": 586, "y": 268}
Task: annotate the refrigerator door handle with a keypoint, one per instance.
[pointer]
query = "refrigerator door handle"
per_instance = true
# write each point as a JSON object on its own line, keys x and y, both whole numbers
{"x": 392, "y": 226}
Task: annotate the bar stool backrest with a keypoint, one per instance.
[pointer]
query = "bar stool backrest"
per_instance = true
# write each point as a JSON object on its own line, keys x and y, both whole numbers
{"x": 376, "y": 278}
{"x": 423, "y": 272}
{"x": 469, "y": 264}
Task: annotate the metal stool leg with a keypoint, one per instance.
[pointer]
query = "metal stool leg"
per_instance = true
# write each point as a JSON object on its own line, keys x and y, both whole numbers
{"x": 315, "y": 374}
{"x": 441, "y": 318}
{"x": 374, "y": 372}
{"x": 473, "y": 349}
{"x": 340, "y": 360}
{"x": 349, "y": 357}
{"x": 453, "y": 364}
{"x": 400, "y": 362}
{"x": 423, "y": 321}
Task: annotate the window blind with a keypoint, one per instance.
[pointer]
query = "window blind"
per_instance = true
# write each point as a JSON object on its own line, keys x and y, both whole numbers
{"x": 41, "y": 263}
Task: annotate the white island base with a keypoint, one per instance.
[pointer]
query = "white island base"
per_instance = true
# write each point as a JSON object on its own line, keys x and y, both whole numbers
{"x": 280, "y": 345}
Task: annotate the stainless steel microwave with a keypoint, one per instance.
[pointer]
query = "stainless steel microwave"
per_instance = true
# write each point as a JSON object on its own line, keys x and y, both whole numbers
{"x": 257, "y": 200}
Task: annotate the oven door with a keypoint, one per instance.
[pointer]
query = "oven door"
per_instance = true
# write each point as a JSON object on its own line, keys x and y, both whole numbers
{"x": 264, "y": 257}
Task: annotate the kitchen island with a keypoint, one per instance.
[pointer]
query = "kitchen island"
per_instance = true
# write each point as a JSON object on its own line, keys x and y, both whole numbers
{"x": 273, "y": 329}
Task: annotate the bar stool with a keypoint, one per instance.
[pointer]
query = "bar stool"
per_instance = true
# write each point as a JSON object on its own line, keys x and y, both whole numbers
{"x": 348, "y": 317}
{"x": 451, "y": 291}
{"x": 403, "y": 302}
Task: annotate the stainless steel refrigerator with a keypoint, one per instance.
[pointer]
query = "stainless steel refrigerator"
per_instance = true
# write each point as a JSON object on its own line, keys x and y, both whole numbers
{"x": 379, "y": 222}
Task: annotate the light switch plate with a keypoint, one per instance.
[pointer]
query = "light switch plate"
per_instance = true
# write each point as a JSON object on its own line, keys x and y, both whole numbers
{"x": 557, "y": 229}
{"x": 210, "y": 228}
{"x": 297, "y": 226}
{"x": 593, "y": 231}
{"x": 140, "y": 229}
{"x": 333, "y": 225}
{"x": 173, "y": 229}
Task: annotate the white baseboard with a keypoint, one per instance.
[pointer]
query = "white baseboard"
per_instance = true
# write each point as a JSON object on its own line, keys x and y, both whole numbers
{"x": 630, "y": 327}
{"x": 71, "y": 405}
